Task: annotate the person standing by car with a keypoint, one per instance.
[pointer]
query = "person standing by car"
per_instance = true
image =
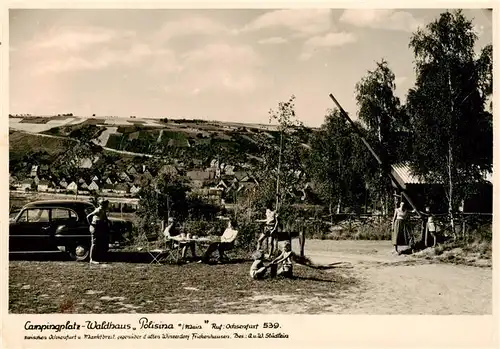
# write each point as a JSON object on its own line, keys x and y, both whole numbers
{"x": 99, "y": 229}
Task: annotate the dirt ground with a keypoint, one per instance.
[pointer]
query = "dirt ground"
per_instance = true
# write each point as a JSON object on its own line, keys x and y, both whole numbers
{"x": 393, "y": 284}
{"x": 358, "y": 277}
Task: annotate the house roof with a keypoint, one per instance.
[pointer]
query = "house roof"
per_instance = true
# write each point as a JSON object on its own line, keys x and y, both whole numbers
{"x": 403, "y": 173}
{"x": 168, "y": 169}
{"x": 240, "y": 175}
{"x": 131, "y": 169}
{"x": 229, "y": 168}
{"x": 200, "y": 175}
{"x": 121, "y": 186}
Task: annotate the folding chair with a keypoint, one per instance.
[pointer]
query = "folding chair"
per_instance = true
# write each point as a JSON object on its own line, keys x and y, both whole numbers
{"x": 172, "y": 251}
{"x": 156, "y": 247}
{"x": 156, "y": 255}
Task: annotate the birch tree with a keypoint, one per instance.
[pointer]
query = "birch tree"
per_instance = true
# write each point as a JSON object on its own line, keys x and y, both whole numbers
{"x": 452, "y": 131}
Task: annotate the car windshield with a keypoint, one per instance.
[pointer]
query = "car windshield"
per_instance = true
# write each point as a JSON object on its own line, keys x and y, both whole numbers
{"x": 89, "y": 209}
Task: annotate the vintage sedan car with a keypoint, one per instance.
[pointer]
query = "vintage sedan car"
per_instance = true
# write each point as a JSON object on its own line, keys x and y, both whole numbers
{"x": 58, "y": 225}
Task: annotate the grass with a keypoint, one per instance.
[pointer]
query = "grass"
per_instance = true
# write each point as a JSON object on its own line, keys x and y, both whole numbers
{"x": 115, "y": 141}
{"x": 473, "y": 252}
{"x": 368, "y": 229}
{"x": 71, "y": 287}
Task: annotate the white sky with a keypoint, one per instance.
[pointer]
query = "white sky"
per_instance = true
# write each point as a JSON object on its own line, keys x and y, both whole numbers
{"x": 231, "y": 65}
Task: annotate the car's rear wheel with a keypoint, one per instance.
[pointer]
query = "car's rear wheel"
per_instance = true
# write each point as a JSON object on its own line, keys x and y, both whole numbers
{"x": 79, "y": 252}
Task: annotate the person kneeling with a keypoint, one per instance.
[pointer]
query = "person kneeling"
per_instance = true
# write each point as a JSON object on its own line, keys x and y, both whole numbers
{"x": 285, "y": 259}
{"x": 258, "y": 269}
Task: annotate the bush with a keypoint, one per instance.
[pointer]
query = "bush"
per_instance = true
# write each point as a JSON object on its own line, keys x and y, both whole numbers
{"x": 378, "y": 230}
{"x": 202, "y": 227}
{"x": 247, "y": 236}
{"x": 473, "y": 249}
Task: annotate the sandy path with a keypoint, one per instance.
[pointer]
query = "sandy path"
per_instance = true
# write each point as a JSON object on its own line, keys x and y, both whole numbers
{"x": 392, "y": 284}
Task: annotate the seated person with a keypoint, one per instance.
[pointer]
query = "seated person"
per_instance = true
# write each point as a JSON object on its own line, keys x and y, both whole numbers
{"x": 285, "y": 259}
{"x": 258, "y": 269}
{"x": 221, "y": 243}
{"x": 172, "y": 232}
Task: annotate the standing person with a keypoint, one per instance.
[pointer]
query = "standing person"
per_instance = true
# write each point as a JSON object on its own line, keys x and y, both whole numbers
{"x": 400, "y": 234}
{"x": 271, "y": 224}
{"x": 430, "y": 227}
{"x": 99, "y": 229}
{"x": 172, "y": 231}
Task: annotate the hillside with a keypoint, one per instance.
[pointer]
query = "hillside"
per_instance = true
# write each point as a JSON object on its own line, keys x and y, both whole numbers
{"x": 193, "y": 142}
{"x": 21, "y": 143}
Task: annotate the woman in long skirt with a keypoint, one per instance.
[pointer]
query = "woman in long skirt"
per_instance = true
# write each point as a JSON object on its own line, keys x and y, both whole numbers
{"x": 400, "y": 235}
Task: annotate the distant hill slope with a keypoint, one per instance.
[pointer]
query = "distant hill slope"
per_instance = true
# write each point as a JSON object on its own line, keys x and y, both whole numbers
{"x": 21, "y": 143}
{"x": 185, "y": 140}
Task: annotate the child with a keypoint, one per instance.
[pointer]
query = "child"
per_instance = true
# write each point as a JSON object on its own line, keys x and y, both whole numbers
{"x": 285, "y": 258}
{"x": 430, "y": 226}
{"x": 270, "y": 227}
{"x": 258, "y": 269}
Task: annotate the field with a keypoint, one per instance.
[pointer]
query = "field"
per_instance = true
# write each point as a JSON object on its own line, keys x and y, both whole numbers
{"x": 21, "y": 143}
{"x": 41, "y": 124}
{"x": 359, "y": 277}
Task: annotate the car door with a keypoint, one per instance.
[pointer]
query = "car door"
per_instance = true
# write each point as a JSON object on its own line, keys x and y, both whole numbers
{"x": 31, "y": 231}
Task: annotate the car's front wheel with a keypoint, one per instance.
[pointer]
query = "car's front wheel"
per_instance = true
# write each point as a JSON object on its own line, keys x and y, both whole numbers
{"x": 79, "y": 253}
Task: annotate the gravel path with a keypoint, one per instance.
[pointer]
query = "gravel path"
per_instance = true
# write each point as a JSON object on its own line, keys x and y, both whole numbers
{"x": 392, "y": 284}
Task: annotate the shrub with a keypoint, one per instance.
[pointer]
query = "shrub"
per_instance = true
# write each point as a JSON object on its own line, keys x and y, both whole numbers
{"x": 247, "y": 236}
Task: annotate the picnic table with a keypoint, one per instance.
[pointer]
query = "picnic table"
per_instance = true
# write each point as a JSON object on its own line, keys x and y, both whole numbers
{"x": 174, "y": 246}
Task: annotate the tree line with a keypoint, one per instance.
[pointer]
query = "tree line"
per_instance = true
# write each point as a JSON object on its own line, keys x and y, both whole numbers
{"x": 443, "y": 132}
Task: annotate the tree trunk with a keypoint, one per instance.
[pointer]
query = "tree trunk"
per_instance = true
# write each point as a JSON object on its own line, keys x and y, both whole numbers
{"x": 450, "y": 189}
{"x": 302, "y": 242}
{"x": 366, "y": 201}
{"x": 339, "y": 205}
{"x": 450, "y": 156}
{"x": 330, "y": 210}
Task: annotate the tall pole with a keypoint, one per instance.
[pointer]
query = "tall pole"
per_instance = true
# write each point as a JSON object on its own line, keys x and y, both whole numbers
{"x": 279, "y": 170}
{"x": 370, "y": 149}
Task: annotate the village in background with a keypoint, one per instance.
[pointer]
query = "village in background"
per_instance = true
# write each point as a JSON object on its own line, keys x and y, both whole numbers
{"x": 120, "y": 174}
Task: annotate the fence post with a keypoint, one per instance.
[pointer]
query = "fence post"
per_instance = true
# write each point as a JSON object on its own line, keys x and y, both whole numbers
{"x": 302, "y": 241}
